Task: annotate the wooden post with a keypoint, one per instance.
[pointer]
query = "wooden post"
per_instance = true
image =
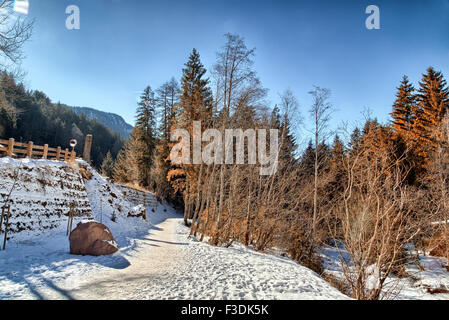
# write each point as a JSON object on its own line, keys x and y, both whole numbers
{"x": 10, "y": 147}
{"x": 87, "y": 148}
{"x": 66, "y": 154}
{"x": 72, "y": 156}
{"x": 30, "y": 149}
{"x": 69, "y": 222}
{"x": 6, "y": 227}
{"x": 45, "y": 155}
{"x": 72, "y": 213}
{"x": 1, "y": 218}
{"x": 58, "y": 153}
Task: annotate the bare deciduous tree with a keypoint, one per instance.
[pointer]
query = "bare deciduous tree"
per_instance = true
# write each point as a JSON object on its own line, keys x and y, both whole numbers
{"x": 320, "y": 112}
{"x": 14, "y": 32}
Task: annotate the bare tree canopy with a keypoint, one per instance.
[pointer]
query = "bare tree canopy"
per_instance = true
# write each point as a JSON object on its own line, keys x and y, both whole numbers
{"x": 14, "y": 32}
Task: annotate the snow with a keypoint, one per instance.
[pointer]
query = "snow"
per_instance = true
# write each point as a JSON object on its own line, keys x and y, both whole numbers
{"x": 429, "y": 273}
{"x": 161, "y": 263}
{"x": 158, "y": 260}
{"x": 41, "y": 196}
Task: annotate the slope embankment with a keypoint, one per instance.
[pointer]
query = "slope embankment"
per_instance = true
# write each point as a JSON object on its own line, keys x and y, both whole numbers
{"x": 40, "y": 194}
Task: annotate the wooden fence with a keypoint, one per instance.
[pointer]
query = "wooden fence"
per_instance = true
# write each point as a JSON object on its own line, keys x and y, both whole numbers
{"x": 18, "y": 150}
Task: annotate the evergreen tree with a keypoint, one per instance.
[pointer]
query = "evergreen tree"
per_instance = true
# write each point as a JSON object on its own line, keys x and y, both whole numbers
{"x": 288, "y": 146}
{"x": 307, "y": 163}
{"x": 337, "y": 155}
{"x": 120, "y": 171}
{"x": 107, "y": 167}
{"x": 196, "y": 99}
{"x": 433, "y": 99}
{"x": 126, "y": 167}
{"x": 404, "y": 108}
{"x": 31, "y": 116}
{"x": 195, "y": 104}
{"x": 144, "y": 136}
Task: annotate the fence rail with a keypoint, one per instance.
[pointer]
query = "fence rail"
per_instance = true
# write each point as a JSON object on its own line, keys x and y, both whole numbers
{"x": 19, "y": 149}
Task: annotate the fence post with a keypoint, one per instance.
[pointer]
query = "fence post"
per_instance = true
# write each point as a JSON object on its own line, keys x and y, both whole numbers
{"x": 6, "y": 227}
{"x": 58, "y": 153}
{"x": 30, "y": 149}
{"x": 66, "y": 154}
{"x": 72, "y": 156}
{"x": 45, "y": 155}
{"x": 10, "y": 147}
{"x": 87, "y": 148}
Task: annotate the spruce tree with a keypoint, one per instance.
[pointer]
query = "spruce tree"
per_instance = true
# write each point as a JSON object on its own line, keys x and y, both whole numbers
{"x": 144, "y": 135}
{"x": 195, "y": 104}
{"x": 107, "y": 167}
{"x": 287, "y": 150}
{"x": 403, "y": 109}
{"x": 337, "y": 155}
{"x": 196, "y": 99}
{"x": 433, "y": 99}
{"x": 120, "y": 172}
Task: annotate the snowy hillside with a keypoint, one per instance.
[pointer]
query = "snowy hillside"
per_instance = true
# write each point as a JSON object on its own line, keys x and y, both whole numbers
{"x": 41, "y": 194}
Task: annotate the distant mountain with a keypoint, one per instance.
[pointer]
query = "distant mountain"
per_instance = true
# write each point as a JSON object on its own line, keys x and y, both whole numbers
{"x": 110, "y": 120}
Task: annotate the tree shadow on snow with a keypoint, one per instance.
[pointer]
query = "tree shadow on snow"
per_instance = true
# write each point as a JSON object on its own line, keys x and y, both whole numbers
{"x": 26, "y": 263}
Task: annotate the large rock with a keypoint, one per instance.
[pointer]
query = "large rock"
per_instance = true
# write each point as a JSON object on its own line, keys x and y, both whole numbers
{"x": 92, "y": 238}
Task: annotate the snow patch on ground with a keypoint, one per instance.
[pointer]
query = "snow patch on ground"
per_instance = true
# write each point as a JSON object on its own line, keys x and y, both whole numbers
{"x": 429, "y": 273}
{"x": 240, "y": 273}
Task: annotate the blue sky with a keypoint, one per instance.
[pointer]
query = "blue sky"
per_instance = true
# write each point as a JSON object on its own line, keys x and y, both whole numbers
{"x": 123, "y": 46}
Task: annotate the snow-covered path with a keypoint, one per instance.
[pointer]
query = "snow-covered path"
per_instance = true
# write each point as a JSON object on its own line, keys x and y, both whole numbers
{"x": 156, "y": 258}
{"x": 160, "y": 263}
{"x": 158, "y": 255}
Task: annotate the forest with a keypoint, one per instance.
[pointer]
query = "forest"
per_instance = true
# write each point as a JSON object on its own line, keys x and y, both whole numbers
{"x": 372, "y": 191}
{"x": 31, "y": 116}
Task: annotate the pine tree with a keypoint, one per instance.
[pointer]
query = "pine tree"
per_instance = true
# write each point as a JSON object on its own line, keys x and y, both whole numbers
{"x": 126, "y": 169}
{"x": 433, "y": 100}
{"x": 119, "y": 172}
{"x": 107, "y": 167}
{"x": 195, "y": 104}
{"x": 144, "y": 135}
{"x": 196, "y": 99}
{"x": 337, "y": 155}
{"x": 404, "y": 108}
{"x": 288, "y": 146}
{"x": 308, "y": 159}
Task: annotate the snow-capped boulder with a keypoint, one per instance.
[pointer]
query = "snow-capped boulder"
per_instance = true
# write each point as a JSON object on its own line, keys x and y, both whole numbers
{"x": 138, "y": 211}
{"x": 92, "y": 238}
